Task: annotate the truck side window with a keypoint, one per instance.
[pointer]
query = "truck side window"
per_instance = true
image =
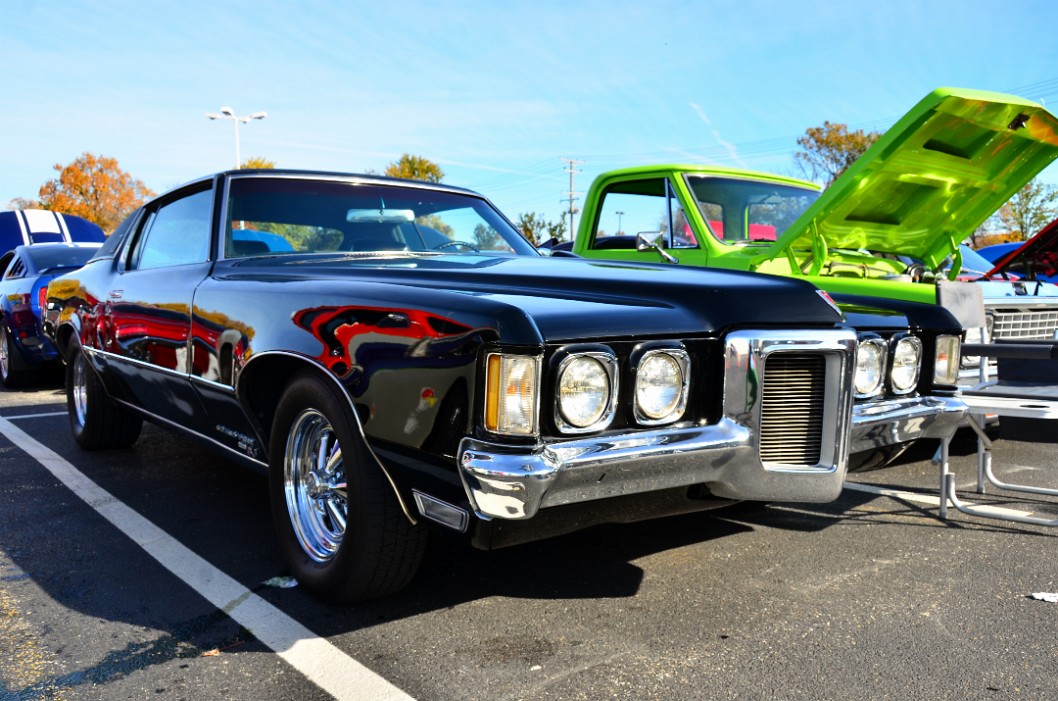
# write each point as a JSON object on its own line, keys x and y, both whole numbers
{"x": 638, "y": 206}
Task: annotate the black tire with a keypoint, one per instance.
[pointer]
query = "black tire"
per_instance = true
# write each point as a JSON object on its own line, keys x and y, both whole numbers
{"x": 15, "y": 372}
{"x": 377, "y": 550}
{"x": 96, "y": 421}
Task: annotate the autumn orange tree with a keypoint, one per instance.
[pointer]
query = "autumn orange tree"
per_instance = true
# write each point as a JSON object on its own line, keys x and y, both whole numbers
{"x": 415, "y": 168}
{"x": 827, "y": 151}
{"x": 95, "y": 188}
{"x": 257, "y": 162}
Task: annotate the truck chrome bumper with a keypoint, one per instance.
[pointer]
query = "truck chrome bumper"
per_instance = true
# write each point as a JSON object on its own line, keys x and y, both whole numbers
{"x": 901, "y": 420}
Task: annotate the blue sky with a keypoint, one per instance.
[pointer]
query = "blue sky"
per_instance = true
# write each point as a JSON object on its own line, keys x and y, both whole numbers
{"x": 497, "y": 93}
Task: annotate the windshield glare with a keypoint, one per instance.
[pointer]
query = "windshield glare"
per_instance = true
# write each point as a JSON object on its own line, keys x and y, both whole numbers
{"x": 290, "y": 215}
{"x": 738, "y": 211}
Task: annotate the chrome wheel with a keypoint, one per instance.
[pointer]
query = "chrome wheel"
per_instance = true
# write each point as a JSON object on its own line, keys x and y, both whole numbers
{"x": 314, "y": 485}
{"x": 5, "y": 358}
{"x": 79, "y": 389}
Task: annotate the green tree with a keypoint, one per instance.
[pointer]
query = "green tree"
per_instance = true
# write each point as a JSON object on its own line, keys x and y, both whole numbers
{"x": 827, "y": 151}
{"x": 537, "y": 229}
{"x": 1030, "y": 209}
{"x": 257, "y": 162}
{"x": 95, "y": 188}
{"x": 485, "y": 237}
{"x": 415, "y": 168}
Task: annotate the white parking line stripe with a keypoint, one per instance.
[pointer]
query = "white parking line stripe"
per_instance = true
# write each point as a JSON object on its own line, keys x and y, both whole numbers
{"x": 983, "y": 509}
{"x": 36, "y": 416}
{"x": 321, "y": 662}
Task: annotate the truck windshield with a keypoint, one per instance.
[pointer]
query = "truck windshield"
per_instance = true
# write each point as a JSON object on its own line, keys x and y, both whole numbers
{"x": 739, "y": 210}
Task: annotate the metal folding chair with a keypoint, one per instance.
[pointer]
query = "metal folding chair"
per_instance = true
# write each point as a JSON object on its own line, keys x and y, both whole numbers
{"x": 1025, "y": 388}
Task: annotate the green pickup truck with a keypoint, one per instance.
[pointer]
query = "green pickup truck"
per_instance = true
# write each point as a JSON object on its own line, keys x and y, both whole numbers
{"x": 882, "y": 240}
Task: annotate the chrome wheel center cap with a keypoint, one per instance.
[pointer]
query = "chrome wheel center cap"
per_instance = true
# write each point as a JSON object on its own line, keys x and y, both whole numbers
{"x": 314, "y": 486}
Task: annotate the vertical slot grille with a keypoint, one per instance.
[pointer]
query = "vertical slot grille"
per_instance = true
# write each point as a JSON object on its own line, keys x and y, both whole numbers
{"x": 791, "y": 413}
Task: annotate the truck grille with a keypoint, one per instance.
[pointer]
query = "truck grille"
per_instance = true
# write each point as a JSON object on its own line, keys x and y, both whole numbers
{"x": 1022, "y": 323}
{"x": 791, "y": 413}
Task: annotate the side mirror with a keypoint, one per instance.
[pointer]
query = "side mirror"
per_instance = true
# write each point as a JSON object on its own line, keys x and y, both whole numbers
{"x": 651, "y": 241}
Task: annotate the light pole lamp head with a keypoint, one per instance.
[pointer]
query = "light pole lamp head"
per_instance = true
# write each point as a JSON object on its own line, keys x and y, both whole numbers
{"x": 227, "y": 112}
{"x": 258, "y": 115}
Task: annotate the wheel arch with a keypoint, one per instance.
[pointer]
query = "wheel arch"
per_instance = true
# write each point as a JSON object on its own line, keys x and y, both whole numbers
{"x": 261, "y": 384}
{"x": 64, "y": 336}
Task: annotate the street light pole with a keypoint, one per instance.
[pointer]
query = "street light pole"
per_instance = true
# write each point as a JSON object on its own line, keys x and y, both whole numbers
{"x": 619, "y": 215}
{"x": 229, "y": 113}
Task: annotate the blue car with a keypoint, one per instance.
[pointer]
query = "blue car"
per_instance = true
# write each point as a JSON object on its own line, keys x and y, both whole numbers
{"x": 26, "y": 226}
{"x": 27, "y": 270}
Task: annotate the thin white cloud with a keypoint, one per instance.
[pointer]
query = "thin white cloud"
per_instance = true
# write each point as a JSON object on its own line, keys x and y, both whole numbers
{"x": 730, "y": 148}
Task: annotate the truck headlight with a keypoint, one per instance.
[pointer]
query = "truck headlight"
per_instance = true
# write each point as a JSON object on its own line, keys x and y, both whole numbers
{"x": 512, "y": 387}
{"x": 946, "y": 360}
{"x": 585, "y": 392}
{"x": 870, "y": 366}
{"x": 662, "y": 379}
{"x": 906, "y": 364}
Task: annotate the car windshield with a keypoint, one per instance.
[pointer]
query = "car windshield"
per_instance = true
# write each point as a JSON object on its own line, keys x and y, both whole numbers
{"x": 270, "y": 215}
{"x": 738, "y": 210}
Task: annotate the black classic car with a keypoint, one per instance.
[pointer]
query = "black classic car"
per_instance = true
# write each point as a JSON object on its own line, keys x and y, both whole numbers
{"x": 396, "y": 354}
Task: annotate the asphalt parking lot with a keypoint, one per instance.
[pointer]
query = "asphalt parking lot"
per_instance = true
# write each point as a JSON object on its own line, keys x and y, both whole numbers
{"x": 869, "y": 597}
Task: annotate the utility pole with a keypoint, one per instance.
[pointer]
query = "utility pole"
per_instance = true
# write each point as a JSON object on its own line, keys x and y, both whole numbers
{"x": 572, "y": 195}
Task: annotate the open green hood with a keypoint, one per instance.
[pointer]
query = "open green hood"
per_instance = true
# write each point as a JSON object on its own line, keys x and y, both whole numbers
{"x": 929, "y": 181}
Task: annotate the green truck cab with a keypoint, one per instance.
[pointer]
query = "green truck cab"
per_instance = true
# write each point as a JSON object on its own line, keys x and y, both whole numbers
{"x": 882, "y": 240}
{"x": 887, "y": 227}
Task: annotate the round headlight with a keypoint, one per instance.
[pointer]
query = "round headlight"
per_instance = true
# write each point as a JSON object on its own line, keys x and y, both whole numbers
{"x": 660, "y": 382}
{"x": 907, "y": 360}
{"x": 583, "y": 391}
{"x": 870, "y": 366}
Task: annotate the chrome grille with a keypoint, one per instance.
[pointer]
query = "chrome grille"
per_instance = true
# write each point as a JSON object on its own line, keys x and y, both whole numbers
{"x": 1024, "y": 323}
{"x": 791, "y": 413}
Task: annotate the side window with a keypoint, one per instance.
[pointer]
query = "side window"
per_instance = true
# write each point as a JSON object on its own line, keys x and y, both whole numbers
{"x": 177, "y": 233}
{"x": 629, "y": 208}
{"x": 639, "y": 206}
{"x": 17, "y": 269}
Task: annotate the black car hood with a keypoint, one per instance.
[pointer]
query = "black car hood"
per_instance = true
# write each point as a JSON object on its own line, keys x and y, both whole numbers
{"x": 879, "y": 314}
{"x": 1037, "y": 256}
{"x": 563, "y": 298}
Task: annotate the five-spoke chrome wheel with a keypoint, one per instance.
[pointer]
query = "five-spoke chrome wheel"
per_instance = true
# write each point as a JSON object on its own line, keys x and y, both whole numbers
{"x": 79, "y": 390}
{"x": 314, "y": 485}
{"x": 5, "y": 359}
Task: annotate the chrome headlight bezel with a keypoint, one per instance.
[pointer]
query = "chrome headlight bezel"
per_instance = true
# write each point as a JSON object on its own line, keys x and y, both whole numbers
{"x": 606, "y": 363}
{"x": 903, "y": 376}
{"x": 512, "y": 394}
{"x": 947, "y": 351}
{"x": 878, "y": 351}
{"x": 673, "y": 411}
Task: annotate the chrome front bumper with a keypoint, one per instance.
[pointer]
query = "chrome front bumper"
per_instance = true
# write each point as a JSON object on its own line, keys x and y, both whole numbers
{"x": 894, "y": 421}
{"x": 509, "y": 482}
